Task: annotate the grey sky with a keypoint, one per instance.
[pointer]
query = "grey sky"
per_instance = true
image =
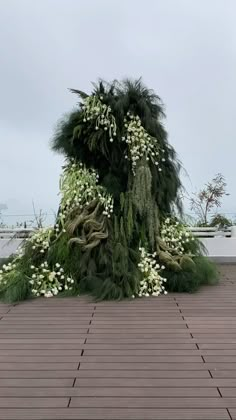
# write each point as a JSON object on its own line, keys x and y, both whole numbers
{"x": 184, "y": 49}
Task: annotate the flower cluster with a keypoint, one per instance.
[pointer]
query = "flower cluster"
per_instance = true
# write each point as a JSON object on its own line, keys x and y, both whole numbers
{"x": 45, "y": 282}
{"x": 176, "y": 235}
{"x": 6, "y": 268}
{"x": 140, "y": 143}
{"x": 94, "y": 109}
{"x": 152, "y": 282}
{"x": 79, "y": 186}
{"x": 40, "y": 240}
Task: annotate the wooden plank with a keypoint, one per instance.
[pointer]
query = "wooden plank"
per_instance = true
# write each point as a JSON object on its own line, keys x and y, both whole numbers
{"x": 141, "y": 359}
{"x": 114, "y": 414}
{"x": 223, "y": 374}
{"x": 216, "y": 346}
{"x": 30, "y": 402}
{"x": 38, "y": 366}
{"x": 160, "y": 382}
{"x": 138, "y": 340}
{"x": 220, "y": 359}
{"x": 105, "y": 373}
{"x": 146, "y": 332}
{"x": 127, "y": 402}
{"x": 113, "y": 392}
{"x": 156, "y": 366}
{"x": 29, "y": 352}
{"x": 141, "y": 346}
{"x": 141, "y": 352}
{"x": 85, "y": 373}
{"x": 32, "y": 347}
{"x": 40, "y": 359}
{"x": 228, "y": 392}
{"x": 36, "y": 382}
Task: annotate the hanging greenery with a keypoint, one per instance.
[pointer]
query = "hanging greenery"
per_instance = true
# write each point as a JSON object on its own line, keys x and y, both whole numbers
{"x": 112, "y": 237}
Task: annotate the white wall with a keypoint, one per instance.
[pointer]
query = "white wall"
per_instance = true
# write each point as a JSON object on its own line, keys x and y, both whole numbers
{"x": 220, "y": 247}
{"x": 9, "y": 246}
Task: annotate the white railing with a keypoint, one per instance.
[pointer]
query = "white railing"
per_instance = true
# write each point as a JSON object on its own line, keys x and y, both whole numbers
{"x": 218, "y": 244}
{"x": 11, "y": 239}
{"x": 7, "y": 233}
{"x": 211, "y": 232}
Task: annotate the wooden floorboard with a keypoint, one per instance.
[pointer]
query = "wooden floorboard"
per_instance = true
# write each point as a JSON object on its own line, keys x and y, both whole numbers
{"x": 172, "y": 357}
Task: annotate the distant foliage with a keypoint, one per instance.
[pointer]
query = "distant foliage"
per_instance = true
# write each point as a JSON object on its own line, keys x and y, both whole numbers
{"x": 208, "y": 199}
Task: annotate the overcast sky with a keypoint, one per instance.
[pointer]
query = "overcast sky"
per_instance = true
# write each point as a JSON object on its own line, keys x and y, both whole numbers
{"x": 184, "y": 49}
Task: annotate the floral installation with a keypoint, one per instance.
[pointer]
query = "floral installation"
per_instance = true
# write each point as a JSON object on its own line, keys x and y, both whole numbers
{"x": 106, "y": 212}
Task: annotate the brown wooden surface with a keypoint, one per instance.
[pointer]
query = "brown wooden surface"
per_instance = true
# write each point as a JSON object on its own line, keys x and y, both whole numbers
{"x": 172, "y": 357}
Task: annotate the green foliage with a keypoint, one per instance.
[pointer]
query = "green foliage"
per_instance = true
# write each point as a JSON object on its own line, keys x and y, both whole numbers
{"x": 17, "y": 287}
{"x": 188, "y": 281}
{"x": 220, "y": 221}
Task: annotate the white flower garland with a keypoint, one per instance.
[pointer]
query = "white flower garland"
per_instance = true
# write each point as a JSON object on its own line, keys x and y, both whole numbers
{"x": 41, "y": 239}
{"x": 175, "y": 235}
{"x": 6, "y": 268}
{"x": 78, "y": 187}
{"x": 152, "y": 282}
{"x": 49, "y": 283}
{"x": 140, "y": 143}
{"x": 93, "y": 108}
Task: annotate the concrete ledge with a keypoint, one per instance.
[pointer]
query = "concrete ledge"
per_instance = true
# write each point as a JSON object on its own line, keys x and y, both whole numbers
{"x": 223, "y": 260}
{"x": 220, "y": 247}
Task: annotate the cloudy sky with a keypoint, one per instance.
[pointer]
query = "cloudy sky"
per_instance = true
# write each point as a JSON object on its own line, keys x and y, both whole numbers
{"x": 184, "y": 49}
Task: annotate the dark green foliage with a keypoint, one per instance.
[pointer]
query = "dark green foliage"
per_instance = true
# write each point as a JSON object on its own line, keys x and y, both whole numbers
{"x": 189, "y": 281}
{"x": 17, "y": 289}
{"x": 220, "y": 221}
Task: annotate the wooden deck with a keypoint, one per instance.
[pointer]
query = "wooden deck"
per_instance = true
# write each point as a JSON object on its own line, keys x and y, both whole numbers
{"x": 172, "y": 357}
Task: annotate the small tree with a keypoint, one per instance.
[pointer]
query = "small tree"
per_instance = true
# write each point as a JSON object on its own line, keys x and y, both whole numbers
{"x": 39, "y": 218}
{"x": 209, "y": 198}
